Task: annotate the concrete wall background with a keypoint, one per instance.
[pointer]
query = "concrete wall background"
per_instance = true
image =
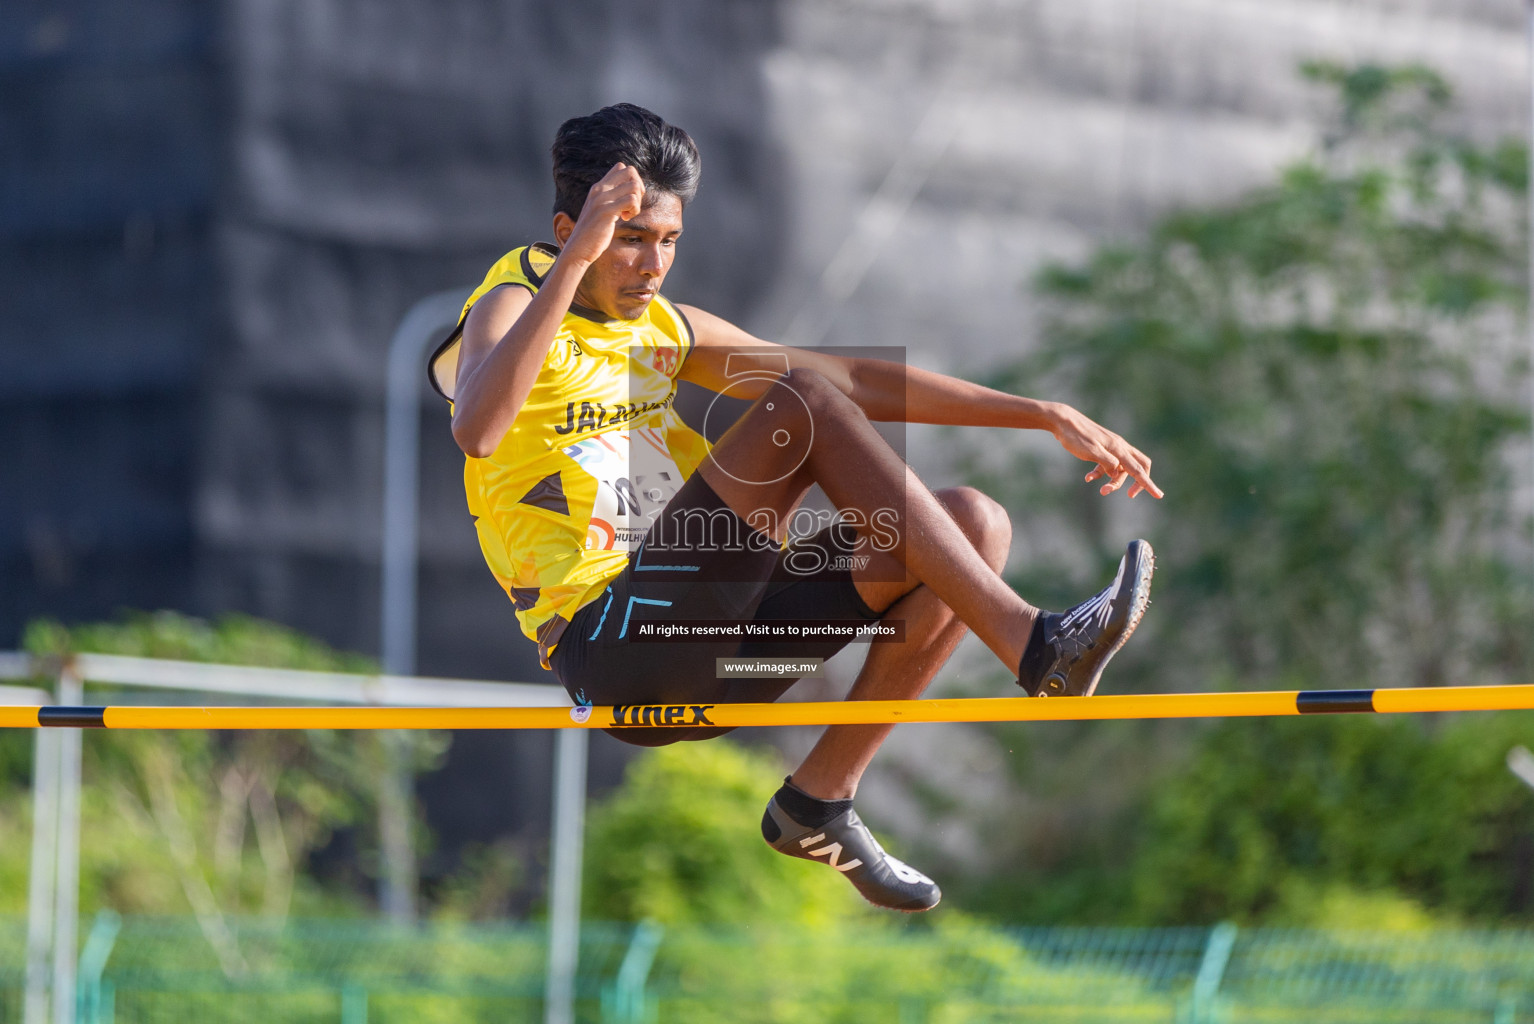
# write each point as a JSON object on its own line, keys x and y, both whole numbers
{"x": 109, "y": 156}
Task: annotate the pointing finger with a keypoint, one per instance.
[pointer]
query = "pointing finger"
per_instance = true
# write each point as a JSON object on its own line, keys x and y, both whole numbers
{"x": 1146, "y": 484}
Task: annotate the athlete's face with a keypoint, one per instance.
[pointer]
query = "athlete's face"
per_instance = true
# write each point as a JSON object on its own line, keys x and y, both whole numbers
{"x": 628, "y": 275}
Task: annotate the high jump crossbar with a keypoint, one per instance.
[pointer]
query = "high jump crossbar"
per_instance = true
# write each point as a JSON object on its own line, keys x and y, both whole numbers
{"x": 869, "y": 712}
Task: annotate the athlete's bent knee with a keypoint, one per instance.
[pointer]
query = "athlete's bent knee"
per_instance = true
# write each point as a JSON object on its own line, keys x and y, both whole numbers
{"x": 981, "y": 517}
{"x": 820, "y": 396}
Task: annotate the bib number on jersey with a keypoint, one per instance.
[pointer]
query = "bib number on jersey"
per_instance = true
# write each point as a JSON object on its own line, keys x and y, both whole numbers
{"x": 635, "y": 476}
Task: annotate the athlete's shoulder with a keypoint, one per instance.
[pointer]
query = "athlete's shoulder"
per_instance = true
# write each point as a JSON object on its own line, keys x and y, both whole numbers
{"x": 527, "y": 266}
{"x": 524, "y": 267}
{"x": 666, "y": 315}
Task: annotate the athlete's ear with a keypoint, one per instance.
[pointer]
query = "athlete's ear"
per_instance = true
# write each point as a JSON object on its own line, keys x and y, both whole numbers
{"x": 563, "y": 225}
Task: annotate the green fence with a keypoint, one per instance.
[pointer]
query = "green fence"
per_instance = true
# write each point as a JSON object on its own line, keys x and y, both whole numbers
{"x": 153, "y": 970}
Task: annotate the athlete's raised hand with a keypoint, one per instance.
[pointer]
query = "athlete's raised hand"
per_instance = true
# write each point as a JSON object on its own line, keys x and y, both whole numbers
{"x": 1117, "y": 460}
{"x": 618, "y": 196}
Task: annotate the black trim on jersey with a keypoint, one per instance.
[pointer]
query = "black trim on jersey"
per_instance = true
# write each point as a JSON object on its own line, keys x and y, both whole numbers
{"x": 527, "y": 265}
{"x": 587, "y": 313}
{"x": 456, "y": 335}
{"x": 431, "y": 361}
{"x": 692, "y": 336}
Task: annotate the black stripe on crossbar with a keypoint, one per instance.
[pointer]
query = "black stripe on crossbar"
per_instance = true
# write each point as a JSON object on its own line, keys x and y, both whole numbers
{"x": 1334, "y": 702}
{"x": 73, "y": 718}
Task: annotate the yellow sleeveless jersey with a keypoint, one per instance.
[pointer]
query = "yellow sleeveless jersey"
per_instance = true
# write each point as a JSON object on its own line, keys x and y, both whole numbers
{"x": 592, "y": 457}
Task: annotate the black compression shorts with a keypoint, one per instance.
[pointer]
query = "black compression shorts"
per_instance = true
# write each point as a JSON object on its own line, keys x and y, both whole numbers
{"x": 682, "y": 572}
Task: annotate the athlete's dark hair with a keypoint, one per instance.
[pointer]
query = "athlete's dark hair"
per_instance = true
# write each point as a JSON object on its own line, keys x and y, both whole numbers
{"x": 587, "y": 147}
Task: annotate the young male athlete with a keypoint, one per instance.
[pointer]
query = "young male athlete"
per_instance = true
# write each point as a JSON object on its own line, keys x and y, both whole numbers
{"x": 603, "y": 514}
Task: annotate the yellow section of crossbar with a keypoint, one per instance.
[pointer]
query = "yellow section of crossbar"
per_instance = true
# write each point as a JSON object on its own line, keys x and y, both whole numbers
{"x": 1453, "y": 698}
{"x": 999, "y": 709}
{"x": 18, "y": 717}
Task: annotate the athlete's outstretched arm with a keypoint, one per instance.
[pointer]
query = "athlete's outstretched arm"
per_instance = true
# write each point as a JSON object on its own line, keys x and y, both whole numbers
{"x": 509, "y": 331}
{"x": 890, "y": 392}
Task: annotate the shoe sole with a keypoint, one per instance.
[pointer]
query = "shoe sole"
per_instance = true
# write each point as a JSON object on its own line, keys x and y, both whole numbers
{"x": 1139, "y": 566}
{"x": 903, "y": 910}
{"x": 1135, "y": 571}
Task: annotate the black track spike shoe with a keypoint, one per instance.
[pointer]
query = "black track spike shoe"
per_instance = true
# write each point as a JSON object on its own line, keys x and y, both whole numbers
{"x": 1078, "y": 644}
{"x": 845, "y": 844}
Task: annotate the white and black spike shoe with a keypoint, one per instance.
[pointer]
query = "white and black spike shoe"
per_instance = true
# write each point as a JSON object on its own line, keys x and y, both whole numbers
{"x": 845, "y": 844}
{"x": 1078, "y": 644}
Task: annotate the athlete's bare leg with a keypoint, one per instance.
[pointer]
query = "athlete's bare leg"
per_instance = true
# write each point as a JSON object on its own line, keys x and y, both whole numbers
{"x": 805, "y": 431}
{"x": 802, "y": 431}
{"x": 902, "y": 671}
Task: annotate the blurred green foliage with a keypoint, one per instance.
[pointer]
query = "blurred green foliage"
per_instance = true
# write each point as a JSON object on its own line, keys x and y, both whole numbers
{"x": 679, "y": 842}
{"x": 218, "y": 824}
{"x": 951, "y": 969}
{"x": 1351, "y": 822}
{"x": 232, "y": 640}
{"x": 1329, "y": 374}
{"x": 772, "y": 938}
